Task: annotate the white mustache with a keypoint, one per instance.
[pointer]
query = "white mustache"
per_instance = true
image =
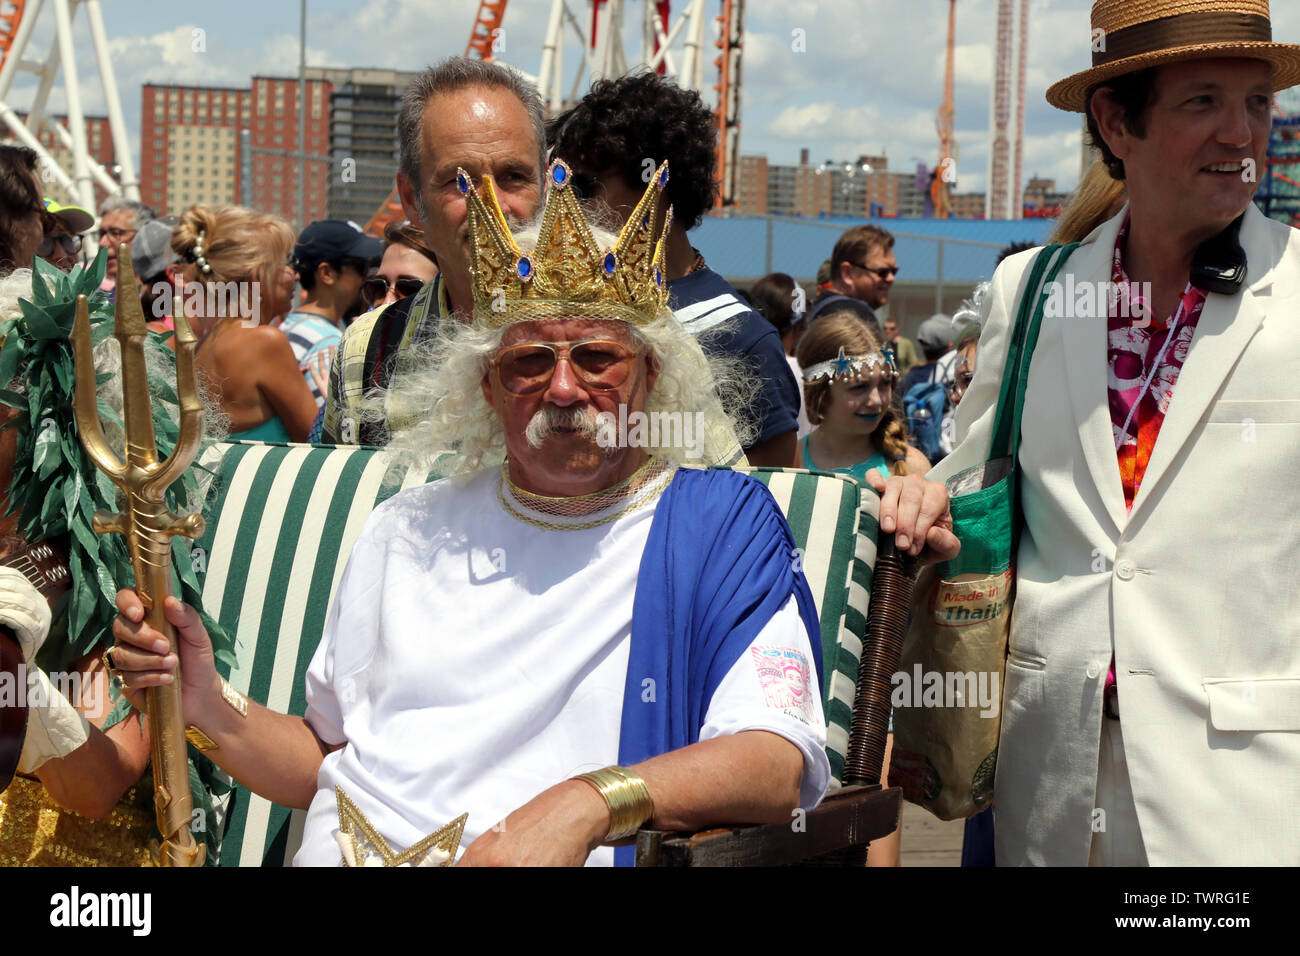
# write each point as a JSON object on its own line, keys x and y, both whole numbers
{"x": 549, "y": 418}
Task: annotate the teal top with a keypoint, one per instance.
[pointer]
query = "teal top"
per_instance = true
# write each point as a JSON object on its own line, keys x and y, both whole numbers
{"x": 270, "y": 430}
{"x": 858, "y": 471}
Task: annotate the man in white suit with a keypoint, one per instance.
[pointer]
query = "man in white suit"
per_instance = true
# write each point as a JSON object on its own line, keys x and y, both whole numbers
{"x": 1156, "y": 573}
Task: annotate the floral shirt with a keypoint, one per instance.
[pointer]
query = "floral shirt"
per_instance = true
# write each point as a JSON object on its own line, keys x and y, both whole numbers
{"x": 1138, "y": 343}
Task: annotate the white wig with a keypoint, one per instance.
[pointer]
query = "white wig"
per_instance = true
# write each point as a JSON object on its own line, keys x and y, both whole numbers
{"x": 435, "y": 407}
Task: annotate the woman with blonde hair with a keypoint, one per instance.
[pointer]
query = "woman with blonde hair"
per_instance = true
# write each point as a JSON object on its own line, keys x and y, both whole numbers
{"x": 237, "y": 280}
{"x": 1098, "y": 197}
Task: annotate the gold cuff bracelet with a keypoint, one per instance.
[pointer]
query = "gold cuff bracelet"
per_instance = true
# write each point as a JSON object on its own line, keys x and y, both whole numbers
{"x": 627, "y": 797}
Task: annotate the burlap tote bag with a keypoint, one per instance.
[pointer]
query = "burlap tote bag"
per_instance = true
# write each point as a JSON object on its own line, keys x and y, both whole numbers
{"x": 947, "y": 692}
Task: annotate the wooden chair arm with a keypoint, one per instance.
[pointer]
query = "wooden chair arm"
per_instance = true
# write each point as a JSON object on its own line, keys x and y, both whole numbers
{"x": 852, "y": 816}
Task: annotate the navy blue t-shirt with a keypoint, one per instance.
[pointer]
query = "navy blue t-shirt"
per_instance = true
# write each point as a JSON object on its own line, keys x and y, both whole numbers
{"x": 704, "y": 301}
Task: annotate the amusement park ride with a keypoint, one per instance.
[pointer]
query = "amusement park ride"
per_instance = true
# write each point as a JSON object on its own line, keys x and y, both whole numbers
{"x": 18, "y": 19}
{"x": 1279, "y": 187}
{"x": 674, "y": 48}
{"x": 598, "y": 46}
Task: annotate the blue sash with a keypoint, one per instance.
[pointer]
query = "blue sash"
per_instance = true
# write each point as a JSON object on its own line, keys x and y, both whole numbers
{"x": 719, "y": 563}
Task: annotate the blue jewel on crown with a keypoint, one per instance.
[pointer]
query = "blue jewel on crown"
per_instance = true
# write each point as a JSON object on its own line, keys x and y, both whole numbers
{"x": 559, "y": 173}
{"x": 610, "y": 264}
{"x": 524, "y": 267}
{"x": 462, "y": 183}
{"x": 659, "y": 276}
{"x": 663, "y": 178}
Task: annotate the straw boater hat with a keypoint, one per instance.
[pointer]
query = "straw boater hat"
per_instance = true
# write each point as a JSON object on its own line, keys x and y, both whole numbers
{"x": 1137, "y": 34}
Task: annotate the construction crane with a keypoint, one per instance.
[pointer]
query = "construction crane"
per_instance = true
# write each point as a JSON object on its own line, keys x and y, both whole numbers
{"x": 485, "y": 35}
{"x": 945, "y": 174}
{"x": 11, "y": 14}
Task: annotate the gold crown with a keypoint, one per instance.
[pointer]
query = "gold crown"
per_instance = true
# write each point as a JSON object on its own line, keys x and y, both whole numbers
{"x": 567, "y": 266}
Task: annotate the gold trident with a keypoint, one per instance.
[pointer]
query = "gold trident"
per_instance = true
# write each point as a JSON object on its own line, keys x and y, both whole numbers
{"x": 148, "y": 525}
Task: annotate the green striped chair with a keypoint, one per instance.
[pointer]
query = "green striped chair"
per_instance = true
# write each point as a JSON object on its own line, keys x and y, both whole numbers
{"x": 282, "y": 520}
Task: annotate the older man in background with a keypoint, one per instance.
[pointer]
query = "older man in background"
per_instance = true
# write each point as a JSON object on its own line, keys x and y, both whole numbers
{"x": 461, "y": 114}
{"x": 119, "y": 220}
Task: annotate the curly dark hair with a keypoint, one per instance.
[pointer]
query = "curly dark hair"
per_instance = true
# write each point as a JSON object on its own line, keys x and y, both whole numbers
{"x": 621, "y": 123}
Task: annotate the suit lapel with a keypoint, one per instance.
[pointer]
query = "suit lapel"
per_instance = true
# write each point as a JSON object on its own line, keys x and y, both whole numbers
{"x": 1085, "y": 340}
{"x": 1225, "y": 328}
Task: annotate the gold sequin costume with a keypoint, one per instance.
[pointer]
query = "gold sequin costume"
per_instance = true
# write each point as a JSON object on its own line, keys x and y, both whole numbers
{"x": 35, "y": 831}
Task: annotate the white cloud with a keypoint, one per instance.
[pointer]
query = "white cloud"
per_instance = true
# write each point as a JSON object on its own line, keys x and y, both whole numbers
{"x": 973, "y": 64}
{"x": 823, "y": 121}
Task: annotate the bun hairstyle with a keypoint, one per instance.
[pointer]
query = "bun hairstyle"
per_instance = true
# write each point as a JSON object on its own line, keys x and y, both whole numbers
{"x": 238, "y": 244}
{"x": 822, "y": 343}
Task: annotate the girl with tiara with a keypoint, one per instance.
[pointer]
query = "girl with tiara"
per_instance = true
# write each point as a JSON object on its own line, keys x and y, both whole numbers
{"x": 848, "y": 389}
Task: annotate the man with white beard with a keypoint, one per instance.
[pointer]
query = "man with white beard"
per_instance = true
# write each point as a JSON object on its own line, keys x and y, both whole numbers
{"x": 554, "y": 606}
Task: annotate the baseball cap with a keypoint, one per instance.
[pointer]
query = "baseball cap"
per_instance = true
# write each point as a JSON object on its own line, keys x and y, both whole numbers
{"x": 328, "y": 240}
{"x": 75, "y": 218}
{"x": 151, "y": 249}
{"x": 935, "y": 332}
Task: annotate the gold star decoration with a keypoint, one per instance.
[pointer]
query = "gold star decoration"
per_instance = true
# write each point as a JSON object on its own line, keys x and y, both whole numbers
{"x": 363, "y": 845}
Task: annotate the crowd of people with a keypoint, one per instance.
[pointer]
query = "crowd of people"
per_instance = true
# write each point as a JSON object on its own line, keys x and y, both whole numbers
{"x": 546, "y": 275}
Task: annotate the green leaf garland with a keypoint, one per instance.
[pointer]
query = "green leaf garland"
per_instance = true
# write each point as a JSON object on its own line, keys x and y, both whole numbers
{"x": 56, "y": 488}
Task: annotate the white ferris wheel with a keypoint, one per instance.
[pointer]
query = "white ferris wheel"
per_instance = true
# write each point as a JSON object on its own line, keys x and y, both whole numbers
{"x": 18, "y": 20}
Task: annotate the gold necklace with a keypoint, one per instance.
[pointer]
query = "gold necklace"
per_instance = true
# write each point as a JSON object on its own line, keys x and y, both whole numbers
{"x": 649, "y": 478}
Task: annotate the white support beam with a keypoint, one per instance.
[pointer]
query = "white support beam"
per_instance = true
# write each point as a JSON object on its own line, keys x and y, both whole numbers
{"x": 100, "y": 174}
{"x": 84, "y": 193}
{"x": 116, "y": 124}
{"x": 36, "y": 116}
{"x": 24, "y": 136}
{"x": 667, "y": 40}
{"x": 693, "y": 64}
{"x": 550, "y": 76}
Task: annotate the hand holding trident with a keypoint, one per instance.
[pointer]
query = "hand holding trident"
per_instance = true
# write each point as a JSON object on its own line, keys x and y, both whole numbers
{"x": 148, "y": 525}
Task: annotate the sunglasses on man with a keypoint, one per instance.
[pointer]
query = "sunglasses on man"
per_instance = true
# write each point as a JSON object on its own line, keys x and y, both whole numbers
{"x": 375, "y": 288}
{"x": 527, "y": 368}
{"x": 888, "y": 272}
{"x": 71, "y": 245}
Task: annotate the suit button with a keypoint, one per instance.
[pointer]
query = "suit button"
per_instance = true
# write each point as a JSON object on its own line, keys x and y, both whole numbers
{"x": 1094, "y": 670}
{"x": 1125, "y": 569}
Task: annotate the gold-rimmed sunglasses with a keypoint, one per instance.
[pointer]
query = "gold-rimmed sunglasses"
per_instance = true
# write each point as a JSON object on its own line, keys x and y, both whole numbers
{"x": 528, "y": 367}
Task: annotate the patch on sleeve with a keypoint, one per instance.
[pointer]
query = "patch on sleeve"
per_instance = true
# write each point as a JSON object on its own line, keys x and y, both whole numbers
{"x": 785, "y": 678}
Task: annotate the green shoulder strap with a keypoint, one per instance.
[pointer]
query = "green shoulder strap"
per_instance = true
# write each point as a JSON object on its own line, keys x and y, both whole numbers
{"x": 1024, "y": 337}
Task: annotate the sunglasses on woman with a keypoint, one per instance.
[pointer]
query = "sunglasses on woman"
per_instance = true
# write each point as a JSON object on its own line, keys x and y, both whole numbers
{"x": 71, "y": 245}
{"x": 527, "y": 368}
{"x": 376, "y": 288}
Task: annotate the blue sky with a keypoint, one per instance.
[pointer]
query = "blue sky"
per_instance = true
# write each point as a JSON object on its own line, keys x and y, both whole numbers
{"x": 869, "y": 77}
